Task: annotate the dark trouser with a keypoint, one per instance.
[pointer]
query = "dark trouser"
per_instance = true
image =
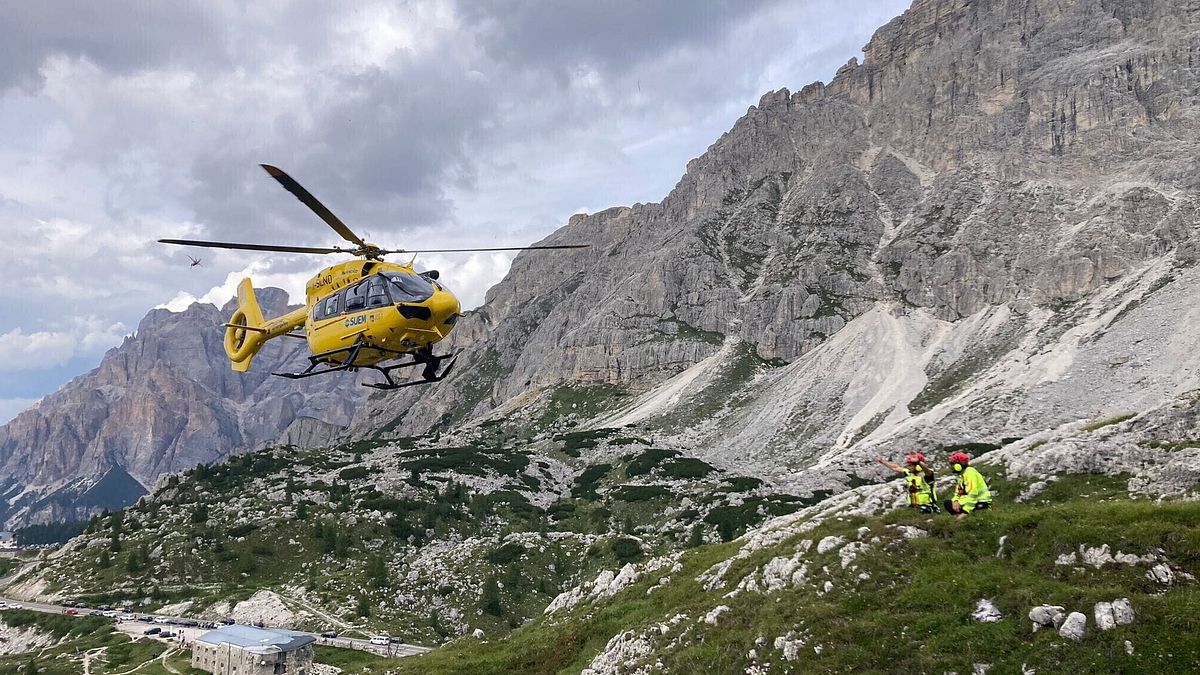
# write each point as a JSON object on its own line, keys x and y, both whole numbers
{"x": 979, "y": 506}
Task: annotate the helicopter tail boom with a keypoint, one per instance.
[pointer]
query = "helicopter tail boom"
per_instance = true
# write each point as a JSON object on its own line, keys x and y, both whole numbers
{"x": 244, "y": 334}
{"x": 247, "y": 330}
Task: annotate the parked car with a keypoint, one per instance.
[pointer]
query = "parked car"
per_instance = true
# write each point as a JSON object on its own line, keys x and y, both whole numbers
{"x": 111, "y": 613}
{"x": 166, "y": 634}
{"x": 3, "y": 605}
{"x": 104, "y": 608}
{"x": 380, "y": 640}
{"x": 154, "y": 630}
{"x": 71, "y": 611}
{"x": 189, "y": 622}
{"x": 161, "y": 619}
{"x": 128, "y": 617}
{"x": 145, "y": 618}
{"x": 95, "y": 612}
{"x": 329, "y": 634}
{"x": 227, "y": 622}
{"x": 15, "y": 605}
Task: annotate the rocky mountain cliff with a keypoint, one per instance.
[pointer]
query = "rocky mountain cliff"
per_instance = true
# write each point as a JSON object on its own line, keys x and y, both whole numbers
{"x": 985, "y": 229}
{"x": 163, "y": 401}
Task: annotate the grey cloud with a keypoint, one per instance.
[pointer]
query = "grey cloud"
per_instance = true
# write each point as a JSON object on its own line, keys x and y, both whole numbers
{"x": 380, "y": 156}
{"x": 118, "y": 35}
{"x": 490, "y": 122}
{"x": 608, "y": 35}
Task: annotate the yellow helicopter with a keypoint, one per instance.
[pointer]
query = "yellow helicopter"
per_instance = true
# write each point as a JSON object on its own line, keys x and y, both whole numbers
{"x": 357, "y": 314}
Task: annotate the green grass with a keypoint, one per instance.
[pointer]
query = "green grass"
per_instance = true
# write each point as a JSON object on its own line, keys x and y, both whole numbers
{"x": 687, "y": 468}
{"x": 352, "y": 660}
{"x": 8, "y": 566}
{"x": 77, "y": 635}
{"x": 911, "y": 613}
{"x": 639, "y": 493}
{"x": 467, "y": 460}
{"x": 1100, "y": 424}
{"x": 646, "y": 461}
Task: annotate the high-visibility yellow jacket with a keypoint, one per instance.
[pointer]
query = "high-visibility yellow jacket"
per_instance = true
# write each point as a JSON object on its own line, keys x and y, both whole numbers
{"x": 971, "y": 489}
{"x": 920, "y": 492}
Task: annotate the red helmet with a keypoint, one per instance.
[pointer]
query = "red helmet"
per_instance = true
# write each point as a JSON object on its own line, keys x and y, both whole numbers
{"x": 914, "y": 458}
{"x": 959, "y": 458}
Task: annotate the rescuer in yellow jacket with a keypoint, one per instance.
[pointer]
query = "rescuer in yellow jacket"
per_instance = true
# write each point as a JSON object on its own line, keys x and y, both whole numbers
{"x": 971, "y": 493}
{"x": 918, "y": 481}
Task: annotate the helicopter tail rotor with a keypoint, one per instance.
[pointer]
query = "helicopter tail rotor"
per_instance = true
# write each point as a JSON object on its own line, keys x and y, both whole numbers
{"x": 244, "y": 334}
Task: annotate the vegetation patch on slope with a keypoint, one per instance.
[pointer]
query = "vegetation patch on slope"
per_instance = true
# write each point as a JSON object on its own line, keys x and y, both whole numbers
{"x": 901, "y": 591}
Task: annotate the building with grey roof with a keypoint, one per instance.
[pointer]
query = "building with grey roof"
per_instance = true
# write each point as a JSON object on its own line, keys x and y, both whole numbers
{"x": 246, "y": 650}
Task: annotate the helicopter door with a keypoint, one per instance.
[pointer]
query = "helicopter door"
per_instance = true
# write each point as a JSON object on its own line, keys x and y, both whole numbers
{"x": 356, "y": 298}
{"x": 377, "y": 293}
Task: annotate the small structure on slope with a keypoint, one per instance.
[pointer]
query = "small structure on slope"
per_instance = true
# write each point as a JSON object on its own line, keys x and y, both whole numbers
{"x": 246, "y": 650}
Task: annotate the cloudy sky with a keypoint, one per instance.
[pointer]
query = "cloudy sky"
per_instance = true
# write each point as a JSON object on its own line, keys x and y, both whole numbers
{"x": 420, "y": 124}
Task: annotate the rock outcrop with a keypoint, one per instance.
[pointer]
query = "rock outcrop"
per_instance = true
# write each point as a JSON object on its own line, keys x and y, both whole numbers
{"x": 983, "y": 230}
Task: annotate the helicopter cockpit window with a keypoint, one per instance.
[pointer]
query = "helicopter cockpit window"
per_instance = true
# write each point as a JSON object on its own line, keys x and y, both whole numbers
{"x": 328, "y": 307}
{"x": 377, "y": 293}
{"x": 409, "y": 287}
{"x": 356, "y": 297}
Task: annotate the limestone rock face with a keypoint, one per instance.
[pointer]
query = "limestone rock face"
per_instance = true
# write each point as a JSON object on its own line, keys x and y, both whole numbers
{"x": 984, "y": 230}
{"x": 163, "y": 401}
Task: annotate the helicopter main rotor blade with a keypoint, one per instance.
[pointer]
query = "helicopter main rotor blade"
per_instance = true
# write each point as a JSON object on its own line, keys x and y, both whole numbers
{"x": 313, "y": 203}
{"x": 473, "y": 250}
{"x": 253, "y": 247}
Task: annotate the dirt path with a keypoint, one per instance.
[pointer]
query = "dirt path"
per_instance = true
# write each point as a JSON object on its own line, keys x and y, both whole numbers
{"x": 87, "y": 659}
{"x": 316, "y": 612}
{"x": 139, "y": 666}
{"x": 166, "y": 655}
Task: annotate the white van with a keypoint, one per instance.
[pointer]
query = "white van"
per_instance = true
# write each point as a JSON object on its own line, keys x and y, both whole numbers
{"x": 380, "y": 640}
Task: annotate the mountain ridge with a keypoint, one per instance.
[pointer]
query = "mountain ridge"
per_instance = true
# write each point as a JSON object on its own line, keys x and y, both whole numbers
{"x": 162, "y": 401}
{"x": 979, "y": 190}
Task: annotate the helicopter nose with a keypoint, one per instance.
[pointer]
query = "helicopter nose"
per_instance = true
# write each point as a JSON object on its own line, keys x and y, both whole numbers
{"x": 445, "y": 308}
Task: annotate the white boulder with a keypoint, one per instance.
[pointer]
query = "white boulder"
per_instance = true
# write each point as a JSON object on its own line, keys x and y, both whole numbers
{"x": 1161, "y": 573}
{"x": 986, "y": 612}
{"x": 1075, "y": 627}
{"x": 712, "y": 617}
{"x": 1065, "y": 559}
{"x": 829, "y": 543}
{"x": 1103, "y": 613}
{"x": 1047, "y": 616}
{"x": 1122, "y": 611}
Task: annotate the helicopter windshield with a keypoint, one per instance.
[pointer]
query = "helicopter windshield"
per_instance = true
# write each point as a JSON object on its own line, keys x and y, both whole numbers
{"x": 409, "y": 287}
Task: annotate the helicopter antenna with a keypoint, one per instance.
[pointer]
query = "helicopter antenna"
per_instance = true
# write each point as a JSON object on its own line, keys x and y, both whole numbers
{"x": 414, "y": 259}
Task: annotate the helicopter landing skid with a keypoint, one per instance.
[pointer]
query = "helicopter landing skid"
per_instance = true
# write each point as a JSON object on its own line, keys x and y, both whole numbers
{"x": 429, "y": 376}
{"x": 432, "y": 365}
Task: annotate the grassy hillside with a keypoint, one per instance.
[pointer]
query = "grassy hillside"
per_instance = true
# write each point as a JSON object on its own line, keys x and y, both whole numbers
{"x": 108, "y": 652}
{"x": 900, "y": 604}
{"x": 422, "y": 538}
